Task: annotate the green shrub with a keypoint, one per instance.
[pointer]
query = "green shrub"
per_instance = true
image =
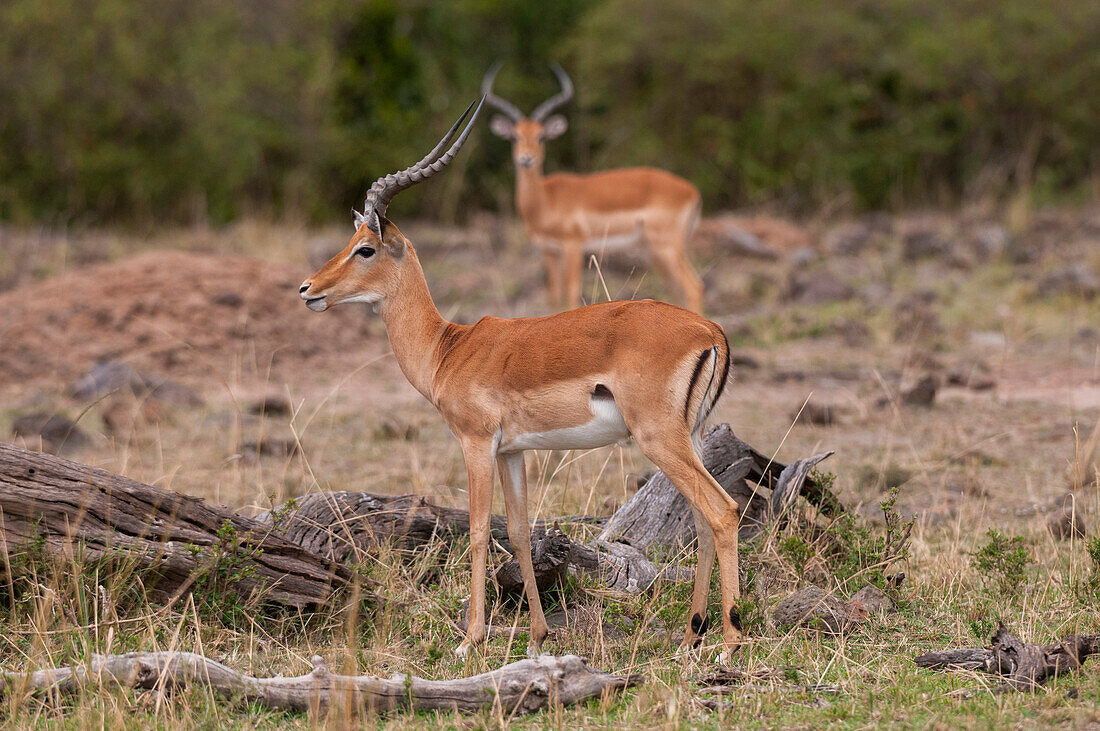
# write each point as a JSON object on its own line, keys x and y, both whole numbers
{"x": 1003, "y": 561}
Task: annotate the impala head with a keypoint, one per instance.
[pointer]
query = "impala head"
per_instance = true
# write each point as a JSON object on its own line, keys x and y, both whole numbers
{"x": 528, "y": 135}
{"x": 368, "y": 268}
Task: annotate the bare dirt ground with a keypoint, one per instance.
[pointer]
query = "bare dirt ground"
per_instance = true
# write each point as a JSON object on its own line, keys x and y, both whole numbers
{"x": 1007, "y": 324}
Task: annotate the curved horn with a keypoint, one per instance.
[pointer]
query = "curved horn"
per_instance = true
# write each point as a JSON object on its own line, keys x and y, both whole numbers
{"x": 386, "y": 187}
{"x": 487, "y": 92}
{"x": 543, "y": 110}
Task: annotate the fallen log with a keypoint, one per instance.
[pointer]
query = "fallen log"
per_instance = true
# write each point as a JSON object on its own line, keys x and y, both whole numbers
{"x": 69, "y": 509}
{"x": 340, "y": 525}
{"x": 525, "y": 686}
{"x": 1023, "y": 666}
{"x": 343, "y": 526}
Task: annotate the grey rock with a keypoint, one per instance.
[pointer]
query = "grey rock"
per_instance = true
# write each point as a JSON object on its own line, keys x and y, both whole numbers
{"x": 56, "y": 433}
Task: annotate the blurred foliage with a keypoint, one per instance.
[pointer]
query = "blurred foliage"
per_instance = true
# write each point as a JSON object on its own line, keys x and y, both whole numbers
{"x": 196, "y": 110}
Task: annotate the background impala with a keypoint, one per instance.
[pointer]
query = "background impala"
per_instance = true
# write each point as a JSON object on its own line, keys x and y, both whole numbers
{"x": 568, "y": 215}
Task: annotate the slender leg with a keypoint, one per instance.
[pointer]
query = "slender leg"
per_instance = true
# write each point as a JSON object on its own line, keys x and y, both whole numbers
{"x": 697, "y": 623}
{"x": 678, "y": 273}
{"x": 514, "y": 479}
{"x": 572, "y": 270}
{"x": 479, "y": 469}
{"x": 676, "y": 458}
{"x": 551, "y": 260}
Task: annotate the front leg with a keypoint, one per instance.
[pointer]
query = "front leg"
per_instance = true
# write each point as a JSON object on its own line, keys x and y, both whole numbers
{"x": 513, "y": 477}
{"x": 572, "y": 259}
{"x": 479, "y": 469}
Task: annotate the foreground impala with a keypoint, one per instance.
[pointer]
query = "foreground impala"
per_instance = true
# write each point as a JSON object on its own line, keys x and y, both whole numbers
{"x": 567, "y": 215}
{"x": 581, "y": 379}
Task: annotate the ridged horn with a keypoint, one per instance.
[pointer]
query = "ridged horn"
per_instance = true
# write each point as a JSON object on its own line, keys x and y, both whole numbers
{"x": 386, "y": 187}
{"x": 543, "y": 110}
{"x": 501, "y": 104}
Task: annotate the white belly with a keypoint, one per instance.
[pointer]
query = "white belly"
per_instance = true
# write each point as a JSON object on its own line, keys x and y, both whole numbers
{"x": 606, "y": 427}
{"x": 613, "y": 243}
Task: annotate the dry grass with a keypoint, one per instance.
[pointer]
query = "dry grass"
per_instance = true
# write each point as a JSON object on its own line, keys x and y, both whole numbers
{"x": 975, "y": 461}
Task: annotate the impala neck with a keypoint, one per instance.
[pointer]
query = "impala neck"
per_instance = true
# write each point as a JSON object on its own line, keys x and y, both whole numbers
{"x": 413, "y": 324}
{"x": 529, "y": 191}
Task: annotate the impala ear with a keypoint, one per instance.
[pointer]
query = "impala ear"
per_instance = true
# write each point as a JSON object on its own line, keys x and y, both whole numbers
{"x": 502, "y": 127}
{"x": 392, "y": 239}
{"x": 554, "y": 127}
{"x": 360, "y": 219}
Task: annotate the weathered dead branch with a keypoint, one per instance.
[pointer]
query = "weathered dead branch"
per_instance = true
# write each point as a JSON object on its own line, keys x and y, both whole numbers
{"x": 658, "y": 515}
{"x": 69, "y": 509}
{"x": 520, "y": 687}
{"x": 1022, "y": 665}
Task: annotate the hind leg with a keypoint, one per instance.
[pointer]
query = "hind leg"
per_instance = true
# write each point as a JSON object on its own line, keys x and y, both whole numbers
{"x": 670, "y": 258}
{"x": 669, "y": 447}
{"x": 697, "y": 623}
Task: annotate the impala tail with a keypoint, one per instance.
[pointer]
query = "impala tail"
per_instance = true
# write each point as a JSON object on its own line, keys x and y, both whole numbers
{"x": 708, "y": 380}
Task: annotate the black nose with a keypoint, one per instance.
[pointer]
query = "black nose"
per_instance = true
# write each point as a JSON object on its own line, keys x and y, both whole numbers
{"x": 303, "y": 288}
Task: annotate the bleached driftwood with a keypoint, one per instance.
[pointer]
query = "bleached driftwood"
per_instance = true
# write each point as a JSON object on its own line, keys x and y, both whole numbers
{"x": 520, "y": 687}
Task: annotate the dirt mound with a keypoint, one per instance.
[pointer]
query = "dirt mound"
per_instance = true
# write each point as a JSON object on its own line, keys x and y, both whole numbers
{"x": 188, "y": 316}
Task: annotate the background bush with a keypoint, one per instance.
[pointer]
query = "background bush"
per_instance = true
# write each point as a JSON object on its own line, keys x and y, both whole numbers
{"x": 204, "y": 110}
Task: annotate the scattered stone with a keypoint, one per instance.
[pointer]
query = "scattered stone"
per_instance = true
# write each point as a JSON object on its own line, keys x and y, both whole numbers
{"x": 802, "y": 257}
{"x": 1075, "y": 280}
{"x": 876, "y": 294}
{"x": 988, "y": 339}
{"x": 922, "y": 393}
{"x": 270, "y": 447}
{"x": 874, "y": 601}
{"x": 270, "y": 405}
{"x": 973, "y": 375}
{"x": 57, "y": 434}
{"x": 854, "y": 333}
{"x": 173, "y": 393}
{"x": 815, "y": 413}
{"x": 848, "y": 239}
{"x": 975, "y": 456}
{"x": 970, "y": 487}
{"x": 740, "y": 360}
{"x": 809, "y": 288}
{"x": 105, "y": 377}
{"x": 814, "y": 607}
{"x": 922, "y": 361}
{"x": 883, "y": 479}
{"x": 227, "y": 299}
{"x": 1067, "y": 521}
{"x": 394, "y": 428}
{"x": 744, "y": 243}
{"x": 923, "y": 244}
{"x": 122, "y": 414}
{"x": 914, "y": 317}
{"x": 990, "y": 241}
{"x": 1087, "y": 336}
{"x": 111, "y": 376}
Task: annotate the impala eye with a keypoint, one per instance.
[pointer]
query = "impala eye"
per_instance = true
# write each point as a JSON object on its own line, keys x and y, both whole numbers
{"x": 366, "y": 252}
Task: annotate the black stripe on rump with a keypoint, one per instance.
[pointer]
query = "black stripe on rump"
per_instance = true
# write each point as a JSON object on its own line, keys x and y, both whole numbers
{"x": 725, "y": 372}
{"x": 695, "y": 379}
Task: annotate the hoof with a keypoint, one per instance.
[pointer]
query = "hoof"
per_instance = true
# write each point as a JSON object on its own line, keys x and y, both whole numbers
{"x": 725, "y": 657}
{"x": 463, "y": 650}
{"x": 686, "y": 651}
{"x": 533, "y": 652}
